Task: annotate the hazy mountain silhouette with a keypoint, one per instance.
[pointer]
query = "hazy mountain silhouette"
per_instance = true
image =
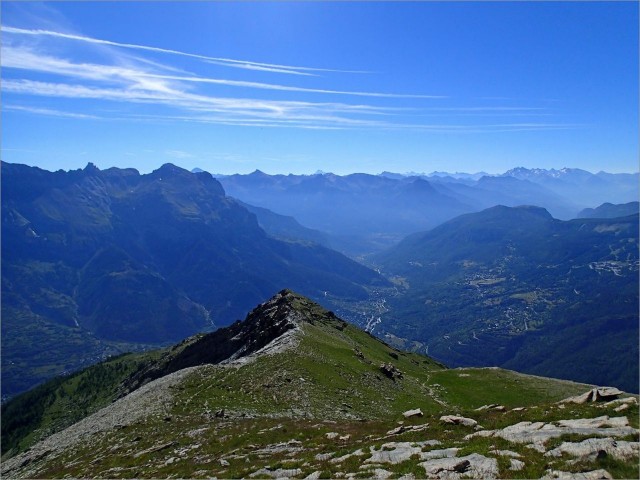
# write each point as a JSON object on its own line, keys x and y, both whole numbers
{"x": 117, "y": 256}
{"x": 364, "y": 214}
{"x": 609, "y": 210}
{"x": 516, "y": 287}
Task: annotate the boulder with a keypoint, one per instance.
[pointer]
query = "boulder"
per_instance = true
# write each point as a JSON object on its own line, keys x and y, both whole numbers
{"x": 346, "y": 456}
{"x": 597, "y": 422}
{"x": 599, "y": 394}
{"x": 538, "y": 433}
{"x": 442, "y": 453}
{"x": 416, "y": 412}
{"x": 456, "y": 420}
{"x": 381, "y": 474}
{"x": 620, "y": 401}
{"x": 390, "y": 371}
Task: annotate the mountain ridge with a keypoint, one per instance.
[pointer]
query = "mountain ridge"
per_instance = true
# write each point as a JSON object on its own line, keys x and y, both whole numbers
{"x": 609, "y": 210}
{"x": 334, "y": 400}
{"x": 514, "y": 287}
{"x": 169, "y": 247}
{"x": 364, "y": 214}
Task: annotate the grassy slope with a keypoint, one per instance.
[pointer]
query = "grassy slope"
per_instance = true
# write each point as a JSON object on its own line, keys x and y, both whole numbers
{"x": 330, "y": 381}
{"x": 239, "y": 442}
{"x": 323, "y": 377}
{"x": 334, "y": 372}
{"x": 260, "y": 420}
{"x": 54, "y": 405}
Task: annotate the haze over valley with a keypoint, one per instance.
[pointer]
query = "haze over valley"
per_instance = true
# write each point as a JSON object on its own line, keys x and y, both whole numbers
{"x": 100, "y": 262}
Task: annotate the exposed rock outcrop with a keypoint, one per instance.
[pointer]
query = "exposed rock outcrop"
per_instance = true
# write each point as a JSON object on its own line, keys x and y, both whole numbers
{"x": 470, "y": 466}
{"x": 390, "y": 371}
{"x": 598, "y": 447}
{"x": 398, "y": 452}
{"x": 266, "y": 329}
{"x": 592, "y": 475}
{"x": 537, "y": 433}
{"x": 600, "y": 394}
{"x": 457, "y": 420}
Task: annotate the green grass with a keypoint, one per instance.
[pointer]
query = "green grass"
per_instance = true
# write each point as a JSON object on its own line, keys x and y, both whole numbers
{"x": 323, "y": 377}
{"x": 57, "y": 404}
{"x": 475, "y": 387}
{"x": 239, "y": 442}
{"x": 329, "y": 382}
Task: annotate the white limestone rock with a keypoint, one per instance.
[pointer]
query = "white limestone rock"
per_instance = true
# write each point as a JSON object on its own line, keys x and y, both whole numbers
{"x": 592, "y": 475}
{"x": 279, "y": 473}
{"x": 457, "y": 420}
{"x": 470, "y": 466}
{"x": 538, "y": 433}
{"x": 416, "y": 412}
{"x": 398, "y": 452}
{"x": 592, "y": 447}
{"x": 600, "y": 394}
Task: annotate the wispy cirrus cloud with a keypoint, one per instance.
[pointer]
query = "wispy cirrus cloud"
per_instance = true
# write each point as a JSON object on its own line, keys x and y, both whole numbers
{"x": 163, "y": 94}
{"x": 27, "y": 59}
{"x": 239, "y": 111}
{"x": 227, "y": 62}
{"x": 256, "y": 113}
{"x": 49, "y": 112}
{"x": 176, "y": 95}
{"x": 288, "y": 88}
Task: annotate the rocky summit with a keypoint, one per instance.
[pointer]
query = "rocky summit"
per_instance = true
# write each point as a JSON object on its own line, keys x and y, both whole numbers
{"x": 294, "y": 391}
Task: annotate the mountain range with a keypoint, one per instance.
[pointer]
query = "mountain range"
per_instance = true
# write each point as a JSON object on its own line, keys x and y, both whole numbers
{"x": 610, "y": 210}
{"x": 583, "y": 187}
{"x": 517, "y": 288}
{"x": 99, "y": 262}
{"x": 364, "y": 214}
{"x": 294, "y": 391}
{"x": 359, "y": 213}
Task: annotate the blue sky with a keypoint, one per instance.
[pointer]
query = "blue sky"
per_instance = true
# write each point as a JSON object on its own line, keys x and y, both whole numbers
{"x": 299, "y": 87}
